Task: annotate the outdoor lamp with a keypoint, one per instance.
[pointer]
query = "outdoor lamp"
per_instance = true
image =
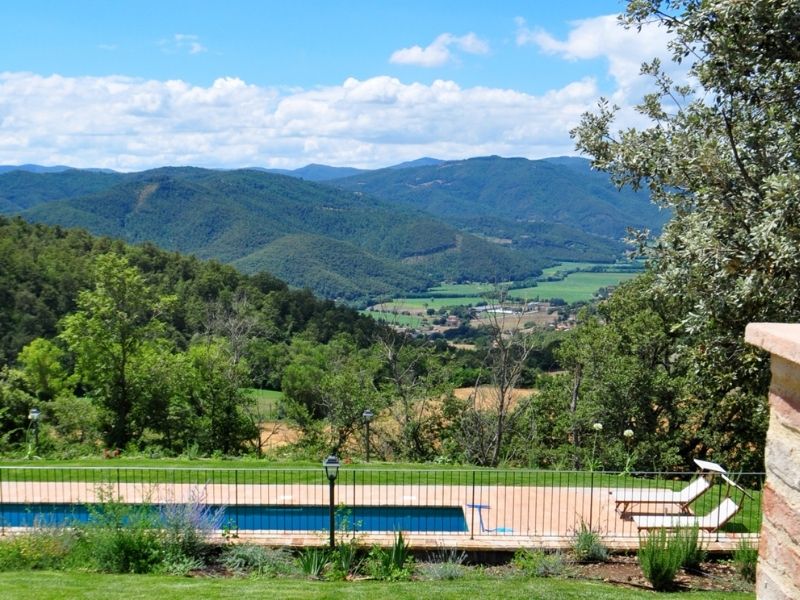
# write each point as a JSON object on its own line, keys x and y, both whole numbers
{"x": 367, "y": 414}
{"x": 331, "y": 466}
{"x": 33, "y": 417}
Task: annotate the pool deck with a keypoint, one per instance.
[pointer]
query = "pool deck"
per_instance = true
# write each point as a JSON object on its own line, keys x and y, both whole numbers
{"x": 512, "y": 516}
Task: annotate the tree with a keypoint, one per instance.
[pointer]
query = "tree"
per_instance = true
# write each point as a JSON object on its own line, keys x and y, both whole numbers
{"x": 724, "y": 158}
{"x": 43, "y": 370}
{"x": 487, "y": 424}
{"x": 218, "y": 398}
{"x": 415, "y": 383}
{"x": 107, "y": 333}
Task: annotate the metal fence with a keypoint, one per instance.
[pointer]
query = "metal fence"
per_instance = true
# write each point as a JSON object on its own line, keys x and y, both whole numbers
{"x": 471, "y": 507}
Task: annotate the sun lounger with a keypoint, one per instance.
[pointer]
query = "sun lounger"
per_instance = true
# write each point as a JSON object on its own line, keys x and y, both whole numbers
{"x": 624, "y": 498}
{"x": 480, "y": 508}
{"x": 710, "y": 522}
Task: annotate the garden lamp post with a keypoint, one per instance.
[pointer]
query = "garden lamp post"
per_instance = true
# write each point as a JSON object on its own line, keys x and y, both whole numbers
{"x": 367, "y": 414}
{"x": 33, "y": 417}
{"x": 331, "y": 466}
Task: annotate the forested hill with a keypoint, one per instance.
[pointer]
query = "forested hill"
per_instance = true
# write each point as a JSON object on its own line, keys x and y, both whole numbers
{"x": 515, "y": 193}
{"x": 260, "y": 220}
{"x": 43, "y": 268}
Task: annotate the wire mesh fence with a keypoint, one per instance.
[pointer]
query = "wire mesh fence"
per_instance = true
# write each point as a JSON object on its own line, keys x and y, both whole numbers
{"x": 474, "y": 504}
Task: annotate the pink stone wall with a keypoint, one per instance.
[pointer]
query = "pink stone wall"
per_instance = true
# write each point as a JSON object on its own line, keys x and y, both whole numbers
{"x": 779, "y": 552}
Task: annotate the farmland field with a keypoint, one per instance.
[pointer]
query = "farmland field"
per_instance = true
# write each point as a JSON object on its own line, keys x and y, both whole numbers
{"x": 578, "y": 284}
{"x": 573, "y": 288}
{"x": 395, "y": 318}
{"x": 267, "y": 400}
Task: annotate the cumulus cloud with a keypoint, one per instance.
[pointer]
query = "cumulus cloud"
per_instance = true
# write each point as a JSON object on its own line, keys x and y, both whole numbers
{"x": 603, "y": 37}
{"x": 183, "y": 42}
{"x": 131, "y": 124}
{"x": 439, "y": 52}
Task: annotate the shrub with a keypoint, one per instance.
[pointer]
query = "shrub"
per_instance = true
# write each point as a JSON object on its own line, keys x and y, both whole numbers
{"x": 187, "y": 526}
{"x": 345, "y": 560}
{"x": 121, "y": 538}
{"x": 691, "y": 547}
{"x": 252, "y": 559}
{"x": 587, "y": 545}
{"x": 43, "y": 548}
{"x": 539, "y": 563}
{"x": 392, "y": 564}
{"x": 447, "y": 564}
{"x": 313, "y": 561}
{"x": 660, "y": 557}
{"x": 745, "y": 558}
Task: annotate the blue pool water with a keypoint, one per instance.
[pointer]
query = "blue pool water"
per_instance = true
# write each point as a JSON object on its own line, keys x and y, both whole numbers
{"x": 262, "y": 517}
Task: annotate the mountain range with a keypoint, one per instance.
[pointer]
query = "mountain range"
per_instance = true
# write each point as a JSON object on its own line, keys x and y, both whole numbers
{"x": 355, "y": 234}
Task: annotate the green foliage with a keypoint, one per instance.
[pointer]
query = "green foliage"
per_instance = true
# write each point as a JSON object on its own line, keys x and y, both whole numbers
{"x": 540, "y": 563}
{"x": 107, "y": 336}
{"x": 313, "y": 561}
{"x": 745, "y": 557}
{"x": 727, "y": 170}
{"x": 691, "y": 546}
{"x": 660, "y": 556}
{"x": 587, "y": 545}
{"x": 186, "y": 526}
{"x": 255, "y": 559}
{"x": 392, "y": 564}
{"x": 445, "y": 564}
{"x": 345, "y": 560}
{"x": 42, "y": 548}
{"x": 121, "y": 538}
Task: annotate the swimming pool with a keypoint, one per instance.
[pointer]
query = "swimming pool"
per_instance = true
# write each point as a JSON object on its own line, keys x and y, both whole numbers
{"x": 423, "y": 519}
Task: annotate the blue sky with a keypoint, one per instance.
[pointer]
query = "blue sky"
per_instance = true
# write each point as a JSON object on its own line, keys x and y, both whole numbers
{"x": 132, "y": 85}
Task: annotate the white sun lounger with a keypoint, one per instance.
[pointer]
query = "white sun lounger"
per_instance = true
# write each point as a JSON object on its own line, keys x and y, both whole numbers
{"x": 710, "y": 522}
{"x": 624, "y": 498}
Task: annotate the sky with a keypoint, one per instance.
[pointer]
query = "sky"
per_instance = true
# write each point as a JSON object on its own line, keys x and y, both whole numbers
{"x": 135, "y": 85}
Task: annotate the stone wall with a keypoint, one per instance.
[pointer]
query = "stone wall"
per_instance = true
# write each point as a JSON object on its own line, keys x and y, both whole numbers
{"x": 779, "y": 553}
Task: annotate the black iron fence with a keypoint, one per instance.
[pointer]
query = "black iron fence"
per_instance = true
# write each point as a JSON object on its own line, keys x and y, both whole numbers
{"x": 470, "y": 504}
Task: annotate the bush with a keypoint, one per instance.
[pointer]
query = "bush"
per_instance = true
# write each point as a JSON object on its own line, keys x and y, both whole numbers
{"x": 392, "y": 564}
{"x": 44, "y": 548}
{"x": 691, "y": 548}
{"x": 187, "y": 526}
{"x": 660, "y": 557}
{"x": 447, "y": 564}
{"x": 587, "y": 546}
{"x": 539, "y": 563}
{"x": 746, "y": 560}
{"x": 344, "y": 560}
{"x": 252, "y": 559}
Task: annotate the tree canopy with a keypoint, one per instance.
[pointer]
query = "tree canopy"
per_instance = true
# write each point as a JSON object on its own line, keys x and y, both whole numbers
{"x": 722, "y": 153}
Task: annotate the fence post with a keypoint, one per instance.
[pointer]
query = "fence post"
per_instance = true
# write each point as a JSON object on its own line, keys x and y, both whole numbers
{"x": 591, "y": 499}
{"x": 472, "y": 525}
{"x": 118, "y": 492}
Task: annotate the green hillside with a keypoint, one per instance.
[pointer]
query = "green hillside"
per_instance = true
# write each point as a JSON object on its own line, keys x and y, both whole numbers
{"x": 516, "y": 190}
{"x": 338, "y": 243}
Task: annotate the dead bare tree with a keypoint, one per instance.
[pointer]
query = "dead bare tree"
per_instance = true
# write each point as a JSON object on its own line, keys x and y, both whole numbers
{"x": 492, "y": 412}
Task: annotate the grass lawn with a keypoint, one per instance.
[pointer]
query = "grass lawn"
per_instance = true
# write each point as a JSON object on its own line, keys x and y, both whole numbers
{"x": 267, "y": 400}
{"x": 58, "y": 585}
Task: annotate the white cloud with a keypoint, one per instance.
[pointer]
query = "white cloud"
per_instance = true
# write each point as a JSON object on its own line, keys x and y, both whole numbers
{"x": 603, "y": 37}
{"x": 183, "y": 42}
{"x": 439, "y": 52}
{"x": 131, "y": 124}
